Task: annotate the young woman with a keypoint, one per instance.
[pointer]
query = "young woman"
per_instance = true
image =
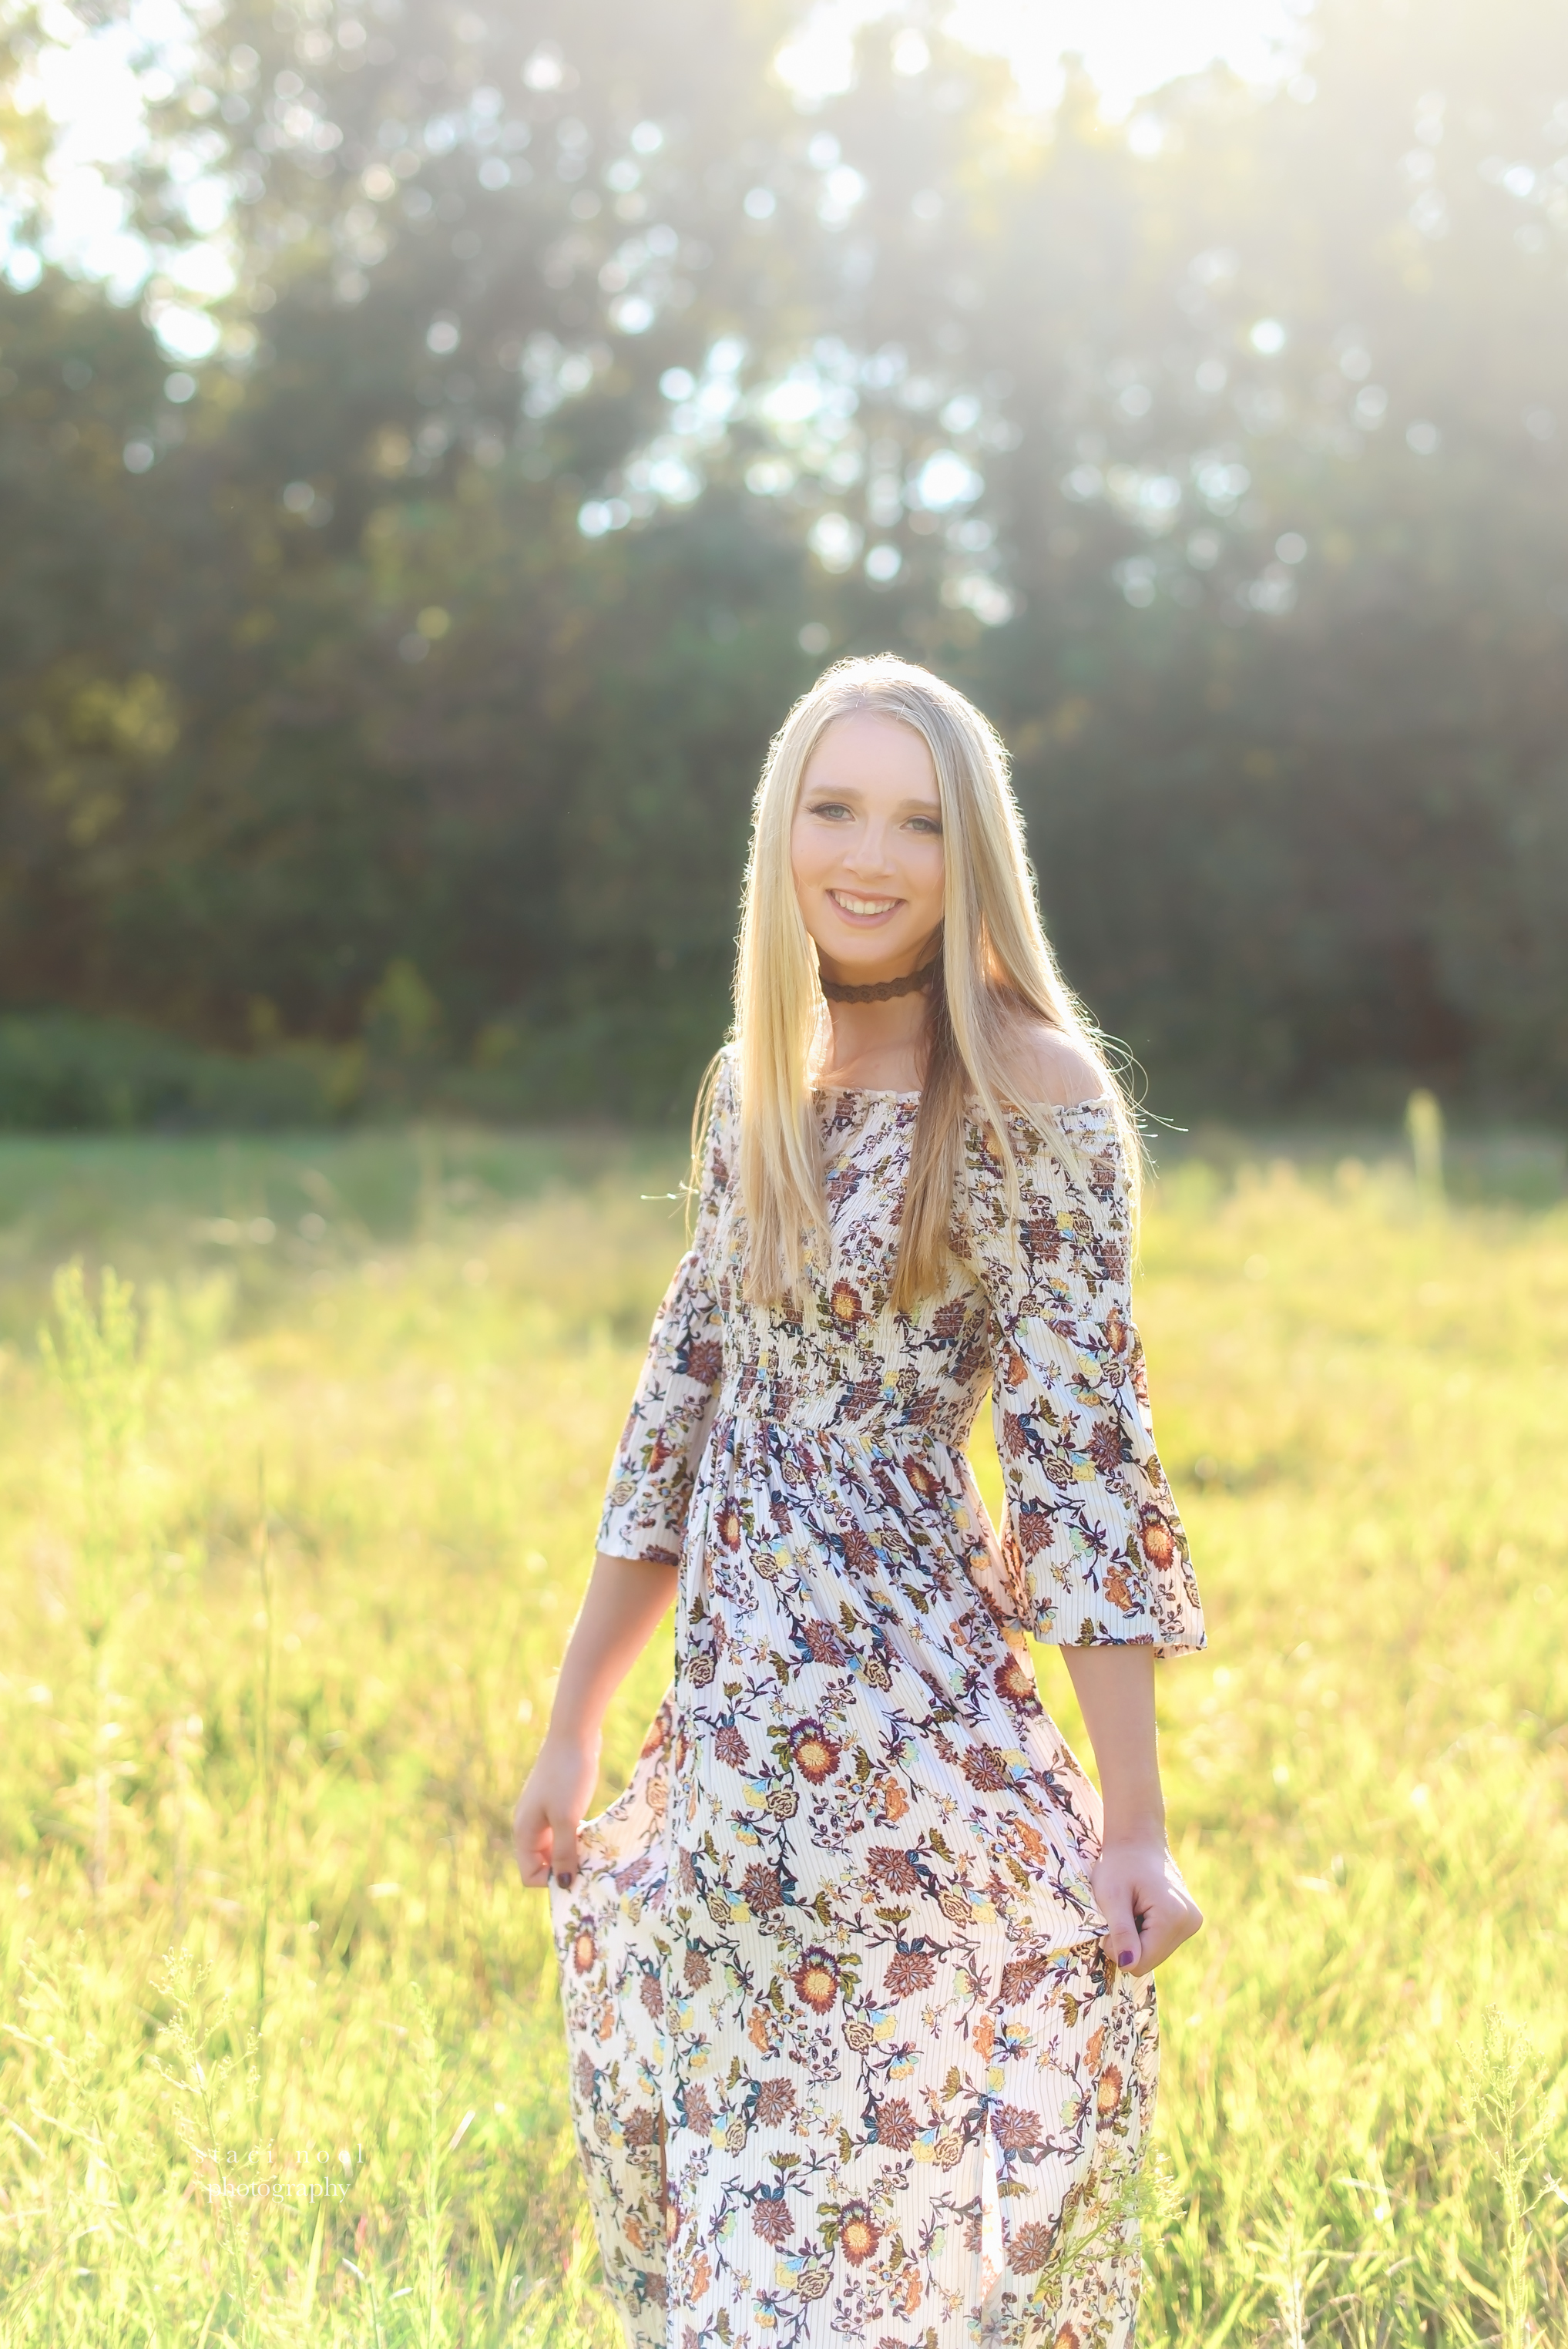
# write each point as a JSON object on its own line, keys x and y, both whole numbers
{"x": 856, "y": 1971}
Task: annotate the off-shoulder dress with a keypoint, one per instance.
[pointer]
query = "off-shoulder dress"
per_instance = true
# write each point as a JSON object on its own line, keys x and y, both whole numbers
{"x": 848, "y": 2063}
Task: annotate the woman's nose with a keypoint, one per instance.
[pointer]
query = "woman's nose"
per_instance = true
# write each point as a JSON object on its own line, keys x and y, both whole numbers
{"x": 869, "y": 851}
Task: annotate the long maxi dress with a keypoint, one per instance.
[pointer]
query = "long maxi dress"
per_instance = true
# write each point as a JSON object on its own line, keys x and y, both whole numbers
{"x": 849, "y": 2064}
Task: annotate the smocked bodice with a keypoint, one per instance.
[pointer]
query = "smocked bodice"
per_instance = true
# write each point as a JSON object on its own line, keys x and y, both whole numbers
{"x": 1035, "y": 1304}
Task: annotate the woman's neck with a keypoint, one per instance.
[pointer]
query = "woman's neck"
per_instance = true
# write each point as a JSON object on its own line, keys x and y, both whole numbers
{"x": 874, "y": 1047}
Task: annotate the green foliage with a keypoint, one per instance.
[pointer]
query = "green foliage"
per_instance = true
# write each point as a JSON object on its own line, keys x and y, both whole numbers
{"x": 433, "y": 636}
{"x": 197, "y": 2066}
{"x": 1509, "y": 2111}
{"x": 59, "y": 1070}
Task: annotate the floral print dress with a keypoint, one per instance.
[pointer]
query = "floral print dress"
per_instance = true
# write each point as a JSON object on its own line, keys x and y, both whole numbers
{"x": 849, "y": 2064}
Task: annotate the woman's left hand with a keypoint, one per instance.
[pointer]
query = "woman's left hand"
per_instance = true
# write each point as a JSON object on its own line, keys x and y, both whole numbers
{"x": 1148, "y": 1910}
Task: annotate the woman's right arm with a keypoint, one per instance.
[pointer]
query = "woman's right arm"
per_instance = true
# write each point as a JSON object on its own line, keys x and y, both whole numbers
{"x": 640, "y": 1530}
{"x": 635, "y": 1568}
{"x": 624, "y": 1605}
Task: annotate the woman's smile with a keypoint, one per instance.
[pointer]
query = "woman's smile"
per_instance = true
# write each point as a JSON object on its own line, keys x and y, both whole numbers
{"x": 865, "y": 909}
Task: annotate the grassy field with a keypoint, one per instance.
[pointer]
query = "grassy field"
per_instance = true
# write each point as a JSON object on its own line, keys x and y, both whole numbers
{"x": 289, "y": 1540}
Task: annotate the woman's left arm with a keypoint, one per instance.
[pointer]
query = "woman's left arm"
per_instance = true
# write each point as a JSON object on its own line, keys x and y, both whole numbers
{"x": 1094, "y": 1556}
{"x": 1148, "y": 1909}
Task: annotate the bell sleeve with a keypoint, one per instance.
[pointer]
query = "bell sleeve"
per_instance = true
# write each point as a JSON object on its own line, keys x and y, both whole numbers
{"x": 655, "y": 1468}
{"x": 1093, "y": 1554}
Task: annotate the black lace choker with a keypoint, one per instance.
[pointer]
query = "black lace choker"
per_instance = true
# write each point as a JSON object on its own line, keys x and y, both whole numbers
{"x": 883, "y": 990}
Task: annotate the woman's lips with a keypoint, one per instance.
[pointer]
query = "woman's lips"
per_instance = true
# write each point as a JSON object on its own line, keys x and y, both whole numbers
{"x": 864, "y": 911}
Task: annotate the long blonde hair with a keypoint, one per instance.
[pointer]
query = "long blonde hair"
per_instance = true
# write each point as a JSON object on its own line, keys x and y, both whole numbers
{"x": 996, "y": 969}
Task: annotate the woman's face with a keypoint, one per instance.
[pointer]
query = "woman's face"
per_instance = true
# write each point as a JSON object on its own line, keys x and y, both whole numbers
{"x": 866, "y": 848}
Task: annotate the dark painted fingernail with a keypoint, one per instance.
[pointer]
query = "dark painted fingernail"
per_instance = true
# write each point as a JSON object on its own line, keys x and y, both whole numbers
{"x": 1125, "y": 1957}
{"x": 564, "y": 1880}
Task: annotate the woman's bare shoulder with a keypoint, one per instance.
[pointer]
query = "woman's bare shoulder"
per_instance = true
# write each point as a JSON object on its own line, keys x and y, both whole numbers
{"x": 1043, "y": 1065}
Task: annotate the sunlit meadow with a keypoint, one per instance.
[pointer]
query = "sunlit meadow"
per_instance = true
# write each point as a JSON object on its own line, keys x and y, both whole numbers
{"x": 293, "y": 1514}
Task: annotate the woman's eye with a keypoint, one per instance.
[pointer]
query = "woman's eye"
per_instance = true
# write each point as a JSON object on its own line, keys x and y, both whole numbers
{"x": 926, "y": 823}
{"x": 833, "y": 808}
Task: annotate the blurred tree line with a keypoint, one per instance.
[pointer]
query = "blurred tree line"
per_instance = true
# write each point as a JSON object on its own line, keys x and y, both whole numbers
{"x": 395, "y": 677}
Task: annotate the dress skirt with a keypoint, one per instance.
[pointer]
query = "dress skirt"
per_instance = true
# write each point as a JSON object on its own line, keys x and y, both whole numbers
{"x": 993, "y": 2201}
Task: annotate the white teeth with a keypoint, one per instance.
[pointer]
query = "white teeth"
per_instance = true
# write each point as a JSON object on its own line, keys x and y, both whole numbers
{"x": 863, "y": 904}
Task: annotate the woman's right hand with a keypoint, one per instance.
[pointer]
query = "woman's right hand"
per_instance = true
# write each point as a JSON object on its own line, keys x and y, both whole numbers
{"x": 620, "y": 1609}
{"x": 550, "y": 1810}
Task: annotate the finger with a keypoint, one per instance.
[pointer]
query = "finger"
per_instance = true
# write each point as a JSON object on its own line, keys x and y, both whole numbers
{"x": 1155, "y": 1943}
{"x": 530, "y": 1842}
{"x": 1168, "y": 1923}
{"x": 564, "y": 1850}
{"x": 1123, "y": 1943}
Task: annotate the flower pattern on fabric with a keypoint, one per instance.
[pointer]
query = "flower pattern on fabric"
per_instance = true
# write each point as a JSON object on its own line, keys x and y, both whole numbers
{"x": 848, "y": 2061}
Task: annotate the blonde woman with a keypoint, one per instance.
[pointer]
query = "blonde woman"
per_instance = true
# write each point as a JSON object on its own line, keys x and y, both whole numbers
{"x": 856, "y": 1971}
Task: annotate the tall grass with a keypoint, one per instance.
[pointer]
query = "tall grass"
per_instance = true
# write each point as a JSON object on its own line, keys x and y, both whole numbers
{"x": 289, "y": 1538}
